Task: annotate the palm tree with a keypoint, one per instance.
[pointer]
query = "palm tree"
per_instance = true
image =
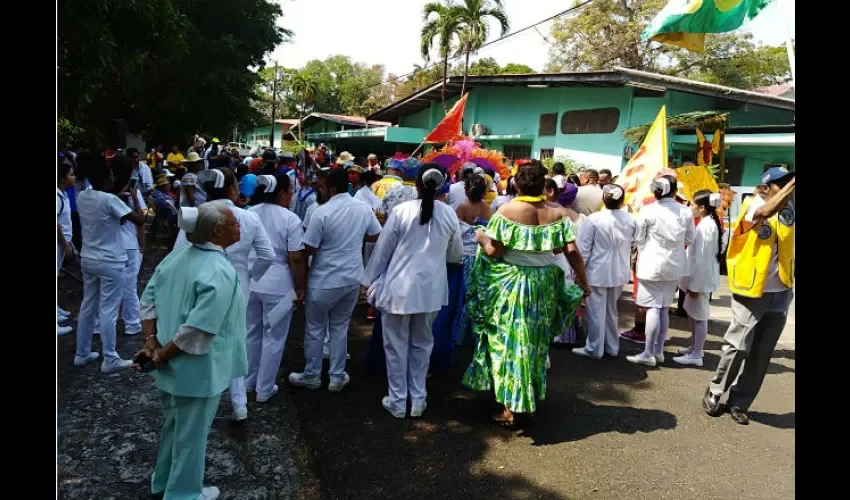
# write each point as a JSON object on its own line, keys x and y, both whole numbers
{"x": 306, "y": 88}
{"x": 445, "y": 26}
{"x": 474, "y": 16}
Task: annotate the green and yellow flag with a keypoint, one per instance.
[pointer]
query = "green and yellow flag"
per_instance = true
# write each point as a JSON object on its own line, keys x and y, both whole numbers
{"x": 684, "y": 23}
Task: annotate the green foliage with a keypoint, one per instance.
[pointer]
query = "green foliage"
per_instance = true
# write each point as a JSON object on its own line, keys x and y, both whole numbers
{"x": 170, "y": 68}
{"x": 67, "y": 132}
{"x": 570, "y": 166}
{"x": 606, "y": 33}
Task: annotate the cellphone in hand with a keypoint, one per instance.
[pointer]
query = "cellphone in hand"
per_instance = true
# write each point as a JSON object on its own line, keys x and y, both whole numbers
{"x": 133, "y": 182}
{"x": 145, "y": 362}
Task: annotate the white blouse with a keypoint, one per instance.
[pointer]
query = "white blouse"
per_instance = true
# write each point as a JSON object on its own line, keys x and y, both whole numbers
{"x": 408, "y": 265}
{"x": 664, "y": 228}
{"x": 605, "y": 241}
{"x": 704, "y": 268}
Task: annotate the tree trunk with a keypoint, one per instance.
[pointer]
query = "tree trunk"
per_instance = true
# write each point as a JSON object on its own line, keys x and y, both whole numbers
{"x": 465, "y": 71}
{"x": 445, "y": 76}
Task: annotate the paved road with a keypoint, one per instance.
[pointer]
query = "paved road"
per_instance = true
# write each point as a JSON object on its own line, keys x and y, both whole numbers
{"x": 607, "y": 430}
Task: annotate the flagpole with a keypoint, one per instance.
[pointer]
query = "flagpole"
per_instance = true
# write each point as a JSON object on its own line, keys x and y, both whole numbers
{"x": 789, "y": 44}
{"x": 417, "y": 148}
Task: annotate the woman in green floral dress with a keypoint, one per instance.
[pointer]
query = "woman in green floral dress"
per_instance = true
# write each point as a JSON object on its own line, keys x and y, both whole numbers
{"x": 518, "y": 299}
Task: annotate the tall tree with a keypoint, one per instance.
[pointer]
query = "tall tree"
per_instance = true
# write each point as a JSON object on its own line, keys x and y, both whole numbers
{"x": 605, "y": 33}
{"x": 306, "y": 88}
{"x": 443, "y": 22}
{"x": 475, "y": 16}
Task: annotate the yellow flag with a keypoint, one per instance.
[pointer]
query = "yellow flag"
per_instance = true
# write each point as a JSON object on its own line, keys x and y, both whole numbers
{"x": 645, "y": 165}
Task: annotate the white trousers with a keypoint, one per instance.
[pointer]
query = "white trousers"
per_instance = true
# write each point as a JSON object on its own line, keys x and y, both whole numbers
{"x": 266, "y": 339}
{"x": 130, "y": 293}
{"x": 328, "y": 311}
{"x": 601, "y": 316}
{"x": 102, "y": 287}
{"x": 408, "y": 341}
{"x": 238, "y": 392}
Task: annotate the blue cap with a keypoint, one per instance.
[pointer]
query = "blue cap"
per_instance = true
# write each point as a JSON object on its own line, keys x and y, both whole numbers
{"x": 248, "y": 185}
{"x": 774, "y": 174}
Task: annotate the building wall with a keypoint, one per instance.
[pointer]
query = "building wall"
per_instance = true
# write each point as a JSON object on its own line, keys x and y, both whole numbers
{"x": 517, "y": 110}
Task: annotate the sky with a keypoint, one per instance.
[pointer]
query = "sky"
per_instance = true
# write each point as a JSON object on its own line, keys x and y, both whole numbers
{"x": 387, "y": 31}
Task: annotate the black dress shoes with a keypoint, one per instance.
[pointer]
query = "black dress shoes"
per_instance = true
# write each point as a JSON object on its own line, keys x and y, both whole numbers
{"x": 739, "y": 416}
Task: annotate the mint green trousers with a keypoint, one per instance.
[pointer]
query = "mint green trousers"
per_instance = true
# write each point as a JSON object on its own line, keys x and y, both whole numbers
{"x": 179, "y": 472}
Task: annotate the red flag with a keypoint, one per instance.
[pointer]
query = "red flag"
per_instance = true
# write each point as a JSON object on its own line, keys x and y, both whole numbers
{"x": 449, "y": 129}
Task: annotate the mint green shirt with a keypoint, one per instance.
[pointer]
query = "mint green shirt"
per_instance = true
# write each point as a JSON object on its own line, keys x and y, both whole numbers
{"x": 198, "y": 287}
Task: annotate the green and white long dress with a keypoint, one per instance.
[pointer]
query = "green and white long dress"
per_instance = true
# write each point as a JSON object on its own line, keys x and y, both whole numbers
{"x": 517, "y": 304}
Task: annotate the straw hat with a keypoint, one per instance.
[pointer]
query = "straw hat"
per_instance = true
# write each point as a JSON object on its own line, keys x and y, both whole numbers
{"x": 193, "y": 158}
{"x": 344, "y": 157}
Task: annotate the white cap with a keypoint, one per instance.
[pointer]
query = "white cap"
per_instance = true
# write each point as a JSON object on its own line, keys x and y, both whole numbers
{"x": 187, "y": 219}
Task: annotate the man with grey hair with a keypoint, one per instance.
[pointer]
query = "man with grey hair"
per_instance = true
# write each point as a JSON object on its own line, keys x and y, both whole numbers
{"x": 193, "y": 319}
{"x": 589, "y": 195}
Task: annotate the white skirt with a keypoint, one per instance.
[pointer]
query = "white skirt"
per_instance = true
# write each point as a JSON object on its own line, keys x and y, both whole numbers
{"x": 698, "y": 309}
{"x": 658, "y": 294}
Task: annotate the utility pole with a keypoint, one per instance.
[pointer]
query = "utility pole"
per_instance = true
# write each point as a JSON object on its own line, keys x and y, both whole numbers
{"x": 274, "y": 105}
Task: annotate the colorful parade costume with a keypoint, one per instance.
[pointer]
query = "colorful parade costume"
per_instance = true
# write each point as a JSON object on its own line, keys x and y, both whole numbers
{"x": 517, "y": 304}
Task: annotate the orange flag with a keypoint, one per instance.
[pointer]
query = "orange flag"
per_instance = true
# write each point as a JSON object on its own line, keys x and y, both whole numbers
{"x": 449, "y": 129}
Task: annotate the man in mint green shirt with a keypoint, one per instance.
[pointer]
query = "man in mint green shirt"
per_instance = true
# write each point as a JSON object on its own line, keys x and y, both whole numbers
{"x": 193, "y": 318}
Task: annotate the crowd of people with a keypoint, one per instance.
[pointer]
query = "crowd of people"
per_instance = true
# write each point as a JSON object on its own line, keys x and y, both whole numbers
{"x": 506, "y": 266}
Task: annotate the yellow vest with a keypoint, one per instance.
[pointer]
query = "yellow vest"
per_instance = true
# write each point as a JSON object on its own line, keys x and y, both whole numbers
{"x": 748, "y": 256}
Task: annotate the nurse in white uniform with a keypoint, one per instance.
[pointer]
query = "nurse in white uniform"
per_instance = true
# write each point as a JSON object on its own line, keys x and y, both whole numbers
{"x": 132, "y": 237}
{"x": 408, "y": 284}
{"x": 664, "y": 228}
{"x": 273, "y": 295}
{"x": 64, "y": 234}
{"x": 221, "y": 186}
{"x": 334, "y": 237}
{"x": 103, "y": 259}
{"x": 703, "y": 278}
{"x": 605, "y": 241}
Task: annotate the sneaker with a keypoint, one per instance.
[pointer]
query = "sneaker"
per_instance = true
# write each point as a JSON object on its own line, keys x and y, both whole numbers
{"x": 633, "y": 336}
{"x": 688, "y": 360}
{"x": 417, "y": 411}
{"x": 385, "y": 402}
{"x": 209, "y": 493}
{"x": 685, "y": 350}
{"x": 239, "y": 414}
{"x": 265, "y": 397}
{"x": 300, "y": 380}
{"x": 114, "y": 365}
{"x": 659, "y": 358}
{"x": 640, "y": 360}
{"x": 63, "y": 330}
{"x": 581, "y": 351}
{"x": 83, "y": 361}
{"x": 338, "y": 385}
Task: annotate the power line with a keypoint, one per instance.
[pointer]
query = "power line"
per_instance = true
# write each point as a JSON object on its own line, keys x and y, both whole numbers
{"x": 504, "y": 37}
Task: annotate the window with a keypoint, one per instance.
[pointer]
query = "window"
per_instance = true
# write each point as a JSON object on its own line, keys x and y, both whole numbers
{"x": 547, "y": 153}
{"x": 590, "y": 121}
{"x": 734, "y": 171}
{"x": 517, "y": 151}
{"x": 548, "y": 124}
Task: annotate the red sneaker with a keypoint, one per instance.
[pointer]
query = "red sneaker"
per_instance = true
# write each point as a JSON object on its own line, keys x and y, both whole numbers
{"x": 633, "y": 336}
{"x": 372, "y": 313}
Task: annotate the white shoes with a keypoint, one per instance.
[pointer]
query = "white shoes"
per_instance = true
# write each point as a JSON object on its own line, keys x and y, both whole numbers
{"x": 338, "y": 385}
{"x": 417, "y": 411}
{"x": 114, "y": 365}
{"x": 659, "y": 358}
{"x": 83, "y": 361}
{"x": 685, "y": 351}
{"x": 300, "y": 380}
{"x": 385, "y": 402}
{"x": 63, "y": 330}
{"x": 688, "y": 360}
{"x": 265, "y": 397}
{"x": 640, "y": 360}
{"x": 239, "y": 414}
{"x": 581, "y": 351}
{"x": 209, "y": 493}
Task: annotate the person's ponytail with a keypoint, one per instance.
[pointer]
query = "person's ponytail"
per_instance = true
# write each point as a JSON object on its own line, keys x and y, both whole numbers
{"x": 429, "y": 181}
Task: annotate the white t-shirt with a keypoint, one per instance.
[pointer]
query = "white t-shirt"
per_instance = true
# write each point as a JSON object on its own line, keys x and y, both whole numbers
{"x": 130, "y": 232}
{"x": 337, "y": 229}
{"x": 773, "y": 284}
{"x": 63, "y": 214}
{"x": 366, "y": 195}
{"x": 309, "y": 214}
{"x": 145, "y": 178}
{"x": 284, "y": 230}
{"x": 588, "y": 199}
{"x": 100, "y": 221}
{"x": 456, "y": 195}
{"x": 559, "y": 181}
